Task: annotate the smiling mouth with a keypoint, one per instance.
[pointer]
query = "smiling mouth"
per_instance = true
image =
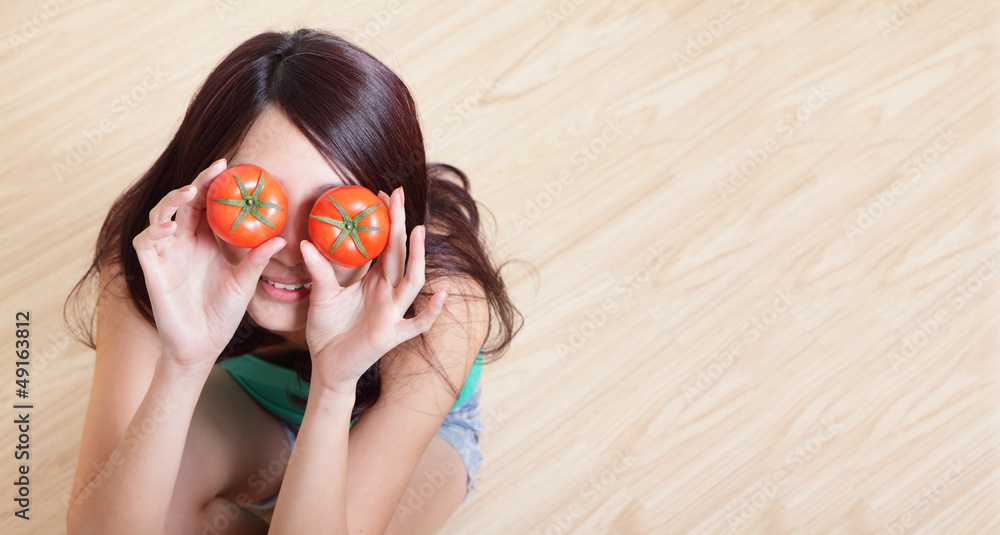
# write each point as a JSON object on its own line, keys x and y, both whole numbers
{"x": 287, "y": 286}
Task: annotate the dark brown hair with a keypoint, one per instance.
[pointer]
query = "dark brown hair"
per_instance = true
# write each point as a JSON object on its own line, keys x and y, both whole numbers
{"x": 362, "y": 118}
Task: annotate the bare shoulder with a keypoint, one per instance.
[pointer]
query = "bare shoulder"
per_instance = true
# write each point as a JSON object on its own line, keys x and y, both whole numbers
{"x": 118, "y": 318}
{"x": 452, "y": 344}
{"x": 466, "y": 311}
{"x": 466, "y": 304}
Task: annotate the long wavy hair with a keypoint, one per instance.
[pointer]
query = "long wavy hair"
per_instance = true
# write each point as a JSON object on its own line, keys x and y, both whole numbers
{"x": 362, "y": 118}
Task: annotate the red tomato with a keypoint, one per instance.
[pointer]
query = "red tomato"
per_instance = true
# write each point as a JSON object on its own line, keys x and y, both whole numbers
{"x": 246, "y": 206}
{"x": 349, "y": 212}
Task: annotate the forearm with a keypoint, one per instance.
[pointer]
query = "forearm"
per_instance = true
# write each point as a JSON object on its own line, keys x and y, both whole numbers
{"x": 133, "y": 490}
{"x": 313, "y": 497}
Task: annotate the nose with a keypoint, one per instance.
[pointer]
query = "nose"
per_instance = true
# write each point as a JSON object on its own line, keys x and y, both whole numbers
{"x": 295, "y": 230}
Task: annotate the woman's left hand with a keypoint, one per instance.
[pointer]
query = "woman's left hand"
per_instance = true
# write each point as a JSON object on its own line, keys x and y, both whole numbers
{"x": 349, "y": 329}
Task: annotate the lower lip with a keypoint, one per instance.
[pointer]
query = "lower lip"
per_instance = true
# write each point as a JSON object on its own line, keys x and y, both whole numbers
{"x": 278, "y": 294}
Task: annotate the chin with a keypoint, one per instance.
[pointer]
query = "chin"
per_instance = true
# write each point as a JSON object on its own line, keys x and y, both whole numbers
{"x": 278, "y": 317}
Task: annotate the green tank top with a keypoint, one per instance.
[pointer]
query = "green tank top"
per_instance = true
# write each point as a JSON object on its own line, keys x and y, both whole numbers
{"x": 269, "y": 384}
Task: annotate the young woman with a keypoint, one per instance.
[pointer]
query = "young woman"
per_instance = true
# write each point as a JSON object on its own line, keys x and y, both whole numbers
{"x": 223, "y": 374}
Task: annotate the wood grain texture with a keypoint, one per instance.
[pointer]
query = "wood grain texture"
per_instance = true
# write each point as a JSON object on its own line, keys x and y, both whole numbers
{"x": 760, "y": 242}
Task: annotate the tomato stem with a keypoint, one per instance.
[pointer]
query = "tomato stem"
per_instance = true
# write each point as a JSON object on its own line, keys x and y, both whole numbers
{"x": 250, "y": 202}
{"x": 349, "y": 226}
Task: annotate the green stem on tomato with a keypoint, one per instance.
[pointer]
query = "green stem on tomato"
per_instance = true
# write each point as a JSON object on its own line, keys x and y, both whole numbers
{"x": 349, "y": 226}
{"x": 250, "y": 202}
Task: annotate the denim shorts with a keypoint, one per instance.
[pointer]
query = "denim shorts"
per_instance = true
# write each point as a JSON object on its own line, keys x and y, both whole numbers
{"x": 461, "y": 428}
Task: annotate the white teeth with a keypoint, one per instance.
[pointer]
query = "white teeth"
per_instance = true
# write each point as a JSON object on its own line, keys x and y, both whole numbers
{"x": 287, "y": 286}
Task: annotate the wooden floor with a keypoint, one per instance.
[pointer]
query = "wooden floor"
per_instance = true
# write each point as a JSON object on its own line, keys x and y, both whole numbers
{"x": 760, "y": 243}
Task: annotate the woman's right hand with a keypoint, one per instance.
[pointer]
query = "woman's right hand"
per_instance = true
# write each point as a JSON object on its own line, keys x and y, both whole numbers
{"x": 198, "y": 298}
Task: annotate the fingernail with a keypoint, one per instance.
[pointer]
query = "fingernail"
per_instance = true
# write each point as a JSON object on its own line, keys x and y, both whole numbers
{"x": 217, "y": 162}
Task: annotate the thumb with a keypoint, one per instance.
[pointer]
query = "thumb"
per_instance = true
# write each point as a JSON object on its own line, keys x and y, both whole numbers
{"x": 252, "y": 265}
{"x": 324, "y": 278}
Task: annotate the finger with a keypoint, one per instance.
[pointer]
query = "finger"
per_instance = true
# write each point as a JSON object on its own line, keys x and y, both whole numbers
{"x": 143, "y": 245}
{"x": 249, "y": 269}
{"x": 388, "y": 246}
{"x": 324, "y": 279}
{"x": 395, "y": 255}
{"x": 189, "y": 214}
{"x": 145, "y": 252}
{"x": 414, "y": 279}
{"x": 161, "y": 231}
{"x": 423, "y": 322}
{"x": 205, "y": 178}
{"x": 165, "y": 209}
{"x": 151, "y": 239}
